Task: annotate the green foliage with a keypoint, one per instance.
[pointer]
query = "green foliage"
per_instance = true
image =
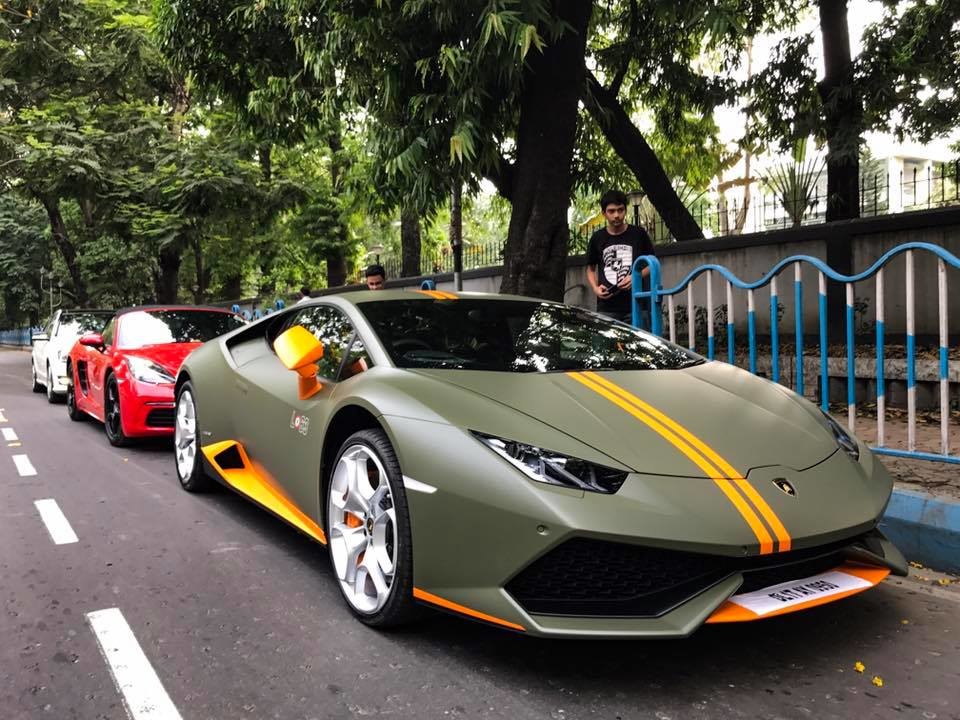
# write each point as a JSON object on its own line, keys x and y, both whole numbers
{"x": 909, "y": 70}
{"x": 795, "y": 183}
{"x": 24, "y": 249}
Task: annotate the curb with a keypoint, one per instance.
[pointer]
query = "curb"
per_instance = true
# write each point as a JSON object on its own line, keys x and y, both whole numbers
{"x": 926, "y": 528}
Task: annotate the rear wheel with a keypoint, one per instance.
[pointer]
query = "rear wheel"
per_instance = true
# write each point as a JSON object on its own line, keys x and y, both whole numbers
{"x": 112, "y": 421}
{"x": 368, "y": 531}
{"x": 37, "y": 387}
{"x": 73, "y": 411}
{"x": 186, "y": 444}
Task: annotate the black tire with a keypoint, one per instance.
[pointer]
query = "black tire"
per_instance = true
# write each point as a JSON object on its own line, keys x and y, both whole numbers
{"x": 196, "y": 479}
{"x": 112, "y": 419}
{"x": 37, "y": 387}
{"x": 52, "y": 397}
{"x": 72, "y": 411}
{"x": 399, "y": 608}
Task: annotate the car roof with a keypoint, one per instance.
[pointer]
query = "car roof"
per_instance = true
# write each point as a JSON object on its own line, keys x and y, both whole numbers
{"x": 84, "y": 311}
{"x": 358, "y": 297}
{"x": 151, "y": 308}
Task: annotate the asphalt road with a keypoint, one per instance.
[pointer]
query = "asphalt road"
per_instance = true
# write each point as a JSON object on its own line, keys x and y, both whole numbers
{"x": 239, "y": 617}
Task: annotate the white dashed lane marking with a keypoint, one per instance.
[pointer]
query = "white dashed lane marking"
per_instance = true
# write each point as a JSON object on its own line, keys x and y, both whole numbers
{"x": 9, "y": 434}
{"x": 134, "y": 676}
{"x": 24, "y": 466}
{"x": 57, "y": 524}
{"x": 2, "y": 418}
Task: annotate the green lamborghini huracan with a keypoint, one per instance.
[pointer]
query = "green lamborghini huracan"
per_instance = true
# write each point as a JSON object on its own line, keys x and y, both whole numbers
{"x": 532, "y": 465}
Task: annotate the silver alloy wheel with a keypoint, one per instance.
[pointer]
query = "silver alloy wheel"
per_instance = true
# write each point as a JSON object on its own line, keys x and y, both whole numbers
{"x": 363, "y": 529}
{"x": 185, "y": 435}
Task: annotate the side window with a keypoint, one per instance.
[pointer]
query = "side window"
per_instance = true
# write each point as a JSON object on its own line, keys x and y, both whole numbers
{"x": 333, "y": 329}
{"x": 109, "y": 331}
{"x": 50, "y": 325}
{"x": 357, "y": 359}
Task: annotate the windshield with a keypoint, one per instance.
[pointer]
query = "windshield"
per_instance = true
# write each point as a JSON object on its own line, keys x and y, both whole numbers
{"x": 157, "y": 327}
{"x": 514, "y": 336}
{"x": 80, "y": 323}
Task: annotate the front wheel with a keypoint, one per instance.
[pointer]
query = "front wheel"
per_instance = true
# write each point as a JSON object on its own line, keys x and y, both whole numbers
{"x": 37, "y": 387}
{"x": 186, "y": 444}
{"x": 112, "y": 421}
{"x": 368, "y": 531}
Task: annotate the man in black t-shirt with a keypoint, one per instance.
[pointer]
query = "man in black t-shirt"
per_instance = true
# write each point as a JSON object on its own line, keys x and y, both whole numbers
{"x": 610, "y": 258}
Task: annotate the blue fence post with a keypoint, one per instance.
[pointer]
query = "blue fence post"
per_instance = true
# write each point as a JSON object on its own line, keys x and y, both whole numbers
{"x": 798, "y": 323}
{"x": 774, "y": 332}
{"x": 637, "y": 293}
{"x": 824, "y": 375}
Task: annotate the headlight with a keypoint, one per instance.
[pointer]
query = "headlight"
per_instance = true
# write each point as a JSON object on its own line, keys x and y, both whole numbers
{"x": 844, "y": 439}
{"x": 148, "y": 372}
{"x": 554, "y": 468}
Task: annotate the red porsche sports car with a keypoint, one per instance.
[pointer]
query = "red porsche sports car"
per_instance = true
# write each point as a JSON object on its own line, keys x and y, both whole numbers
{"x": 124, "y": 375}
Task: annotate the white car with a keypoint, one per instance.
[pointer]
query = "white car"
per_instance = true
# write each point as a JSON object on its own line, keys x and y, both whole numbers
{"x": 52, "y": 345}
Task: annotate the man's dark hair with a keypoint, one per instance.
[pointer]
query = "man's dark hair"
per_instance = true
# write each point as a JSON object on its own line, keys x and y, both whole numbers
{"x": 612, "y": 197}
{"x": 375, "y": 269}
{"x": 305, "y": 291}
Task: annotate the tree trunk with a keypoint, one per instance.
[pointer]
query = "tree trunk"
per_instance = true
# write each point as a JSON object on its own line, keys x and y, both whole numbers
{"x": 169, "y": 278}
{"x": 200, "y": 282}
{"x": 536, "y": 250}
{"x": 62, "y": 240}
{"x": 632, "y": 147}
{"x": 179, "y": 104}
{"x": 843, "y": 113}
{"x": 336, "y": 267}
{"x": 232, "y": 287}
{"x": 409, "y": 241}
{"x": 266, "y": 162}
{"x": 456, "y": 233}
{"x": 843, "y": 119}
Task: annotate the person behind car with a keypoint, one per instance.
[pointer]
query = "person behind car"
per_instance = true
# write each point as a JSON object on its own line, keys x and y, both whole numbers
{"x": 376, "y": 276}
{"x": 610, "y": 258}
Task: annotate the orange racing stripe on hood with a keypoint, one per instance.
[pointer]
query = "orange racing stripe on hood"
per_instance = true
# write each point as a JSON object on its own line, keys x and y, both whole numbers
{"x": 748, "y": 491}
{"x": 746, "y": 511}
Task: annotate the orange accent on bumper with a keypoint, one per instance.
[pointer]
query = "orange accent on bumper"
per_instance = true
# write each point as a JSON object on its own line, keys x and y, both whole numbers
{"x": 731, "y": 612}
{"x": 463, "y": 610}
{"x": 260, "y": 488}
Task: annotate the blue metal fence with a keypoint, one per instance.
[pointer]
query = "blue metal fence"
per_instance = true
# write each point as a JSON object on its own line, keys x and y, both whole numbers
{"x": 19, "y": 336}
{"x": 655, "y": 293}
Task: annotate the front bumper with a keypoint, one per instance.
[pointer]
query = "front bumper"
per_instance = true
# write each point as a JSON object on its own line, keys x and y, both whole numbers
{"x": 147, "y": 409}
{"x": 486, "y": 540}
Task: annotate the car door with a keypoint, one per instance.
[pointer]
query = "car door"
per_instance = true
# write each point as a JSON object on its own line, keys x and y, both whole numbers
{"x": 281, "y": 432}
{"x": 97, "y": 364}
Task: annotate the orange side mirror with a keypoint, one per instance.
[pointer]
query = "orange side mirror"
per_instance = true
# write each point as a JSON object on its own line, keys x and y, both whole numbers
{"x": 299, "y": 351}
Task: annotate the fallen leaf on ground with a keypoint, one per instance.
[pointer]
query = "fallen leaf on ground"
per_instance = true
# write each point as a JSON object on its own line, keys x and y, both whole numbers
{"x": 859, "y": 666}
{"x": 877, "y": 680}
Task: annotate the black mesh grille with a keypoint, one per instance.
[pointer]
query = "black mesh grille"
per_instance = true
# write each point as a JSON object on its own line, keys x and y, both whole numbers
{"x": 160, "y": 417}
{"x": 585, "y": 577}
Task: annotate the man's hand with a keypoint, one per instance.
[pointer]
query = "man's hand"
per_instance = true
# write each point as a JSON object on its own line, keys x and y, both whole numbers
{"x": 602, "y": 291}
{"x": 626, "y": 283}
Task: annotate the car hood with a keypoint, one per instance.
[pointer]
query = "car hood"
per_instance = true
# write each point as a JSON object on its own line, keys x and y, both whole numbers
{"x": 747, "y": 421}
{"x": 169, "y": 356}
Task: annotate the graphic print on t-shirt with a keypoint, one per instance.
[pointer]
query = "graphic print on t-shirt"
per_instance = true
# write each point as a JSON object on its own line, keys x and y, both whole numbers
{"x": 617, "y": 262}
